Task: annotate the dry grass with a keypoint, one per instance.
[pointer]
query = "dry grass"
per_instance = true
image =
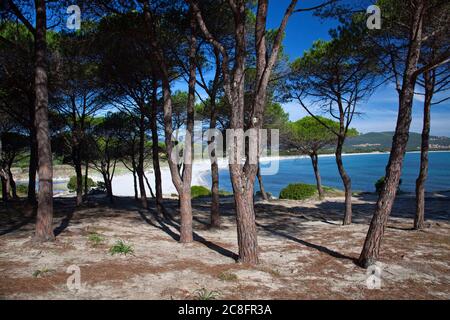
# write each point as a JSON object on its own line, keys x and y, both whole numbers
{"x": 305, "y": 253}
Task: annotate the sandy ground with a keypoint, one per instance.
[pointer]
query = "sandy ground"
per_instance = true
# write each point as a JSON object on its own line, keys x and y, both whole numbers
{"x": 305, "y": 253}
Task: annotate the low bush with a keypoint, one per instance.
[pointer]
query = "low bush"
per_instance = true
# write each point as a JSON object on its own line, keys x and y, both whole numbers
{"x": 21, "y": 189}
{"x": 72, "y": 185}
{"x": 121, "y": 247}
{"x": 298, "y": 191}
{"x": 199, "y": 191}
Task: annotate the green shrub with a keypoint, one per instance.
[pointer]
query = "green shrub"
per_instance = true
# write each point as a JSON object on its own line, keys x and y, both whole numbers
{"x": 101, "y": 186}
{"x": 380, "y": 184}
{"x": 95, "y": 239}
{"x": 72, "y": 185}
{"x": 298, "y": 191}
{"x": 199, "y": 191}
{"x": 121, "y": 247}
{"x": 22, "y": 189}
{"x": 205, "y": 294}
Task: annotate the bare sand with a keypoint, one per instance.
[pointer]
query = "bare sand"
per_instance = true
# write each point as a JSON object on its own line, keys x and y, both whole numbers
{"x": 305, "y": 253}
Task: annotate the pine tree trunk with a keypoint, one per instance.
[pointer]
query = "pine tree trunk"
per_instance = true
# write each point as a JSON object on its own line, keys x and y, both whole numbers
{"x": 315, "y": 164}
{"x": 5, "y": 194}
{"x": 136, "y": 192}
{"x": 372, "y": 244}
{"x": 32, "y": 167}
{"x": 86, "y": 174}
{"x": 44, "y": 229}
{"x": 423, "y": 173}
{"x": 215, "y": 198}
{"x": 140, "y": 171}
{"x": 246, "y": 226}
{"x": 79, "y": 175}
{"x": 155, "y": 146}
{"x": 261, "y": 184}
{"x": 186, "y": 234}
{"x": 346, "y": 181}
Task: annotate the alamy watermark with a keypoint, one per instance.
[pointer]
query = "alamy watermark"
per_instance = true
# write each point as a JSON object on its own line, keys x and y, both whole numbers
{"x": 374, "y": 20}
{"x": 235, "y": 146}
{"x": 74, "y": 20}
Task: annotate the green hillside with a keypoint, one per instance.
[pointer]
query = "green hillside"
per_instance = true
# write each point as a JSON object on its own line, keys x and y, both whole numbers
{"x": 382, "y": 141}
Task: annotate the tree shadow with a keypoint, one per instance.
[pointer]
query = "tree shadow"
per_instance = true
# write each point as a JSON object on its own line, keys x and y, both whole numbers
{"x": 164, "y": 224}
{"x": 320, "y": 248}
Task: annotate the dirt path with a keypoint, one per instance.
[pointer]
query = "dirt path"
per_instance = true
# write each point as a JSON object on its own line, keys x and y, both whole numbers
{"x": 305, "y": 253}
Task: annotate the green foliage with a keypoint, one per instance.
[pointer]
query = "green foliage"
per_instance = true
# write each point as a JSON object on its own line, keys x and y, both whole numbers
{"x": 275, "y": 117}
{"x": 121, "y": 247}
{"x": 72, "y": 184}
{"x": 199, "y": 191}
{"x": 101, "y": 186}
{"x": 95, "y": 239}
{"x": 42, "y": 272}
{"x": 22, "y": 189}
{"x": 380, "y": 184}
{"x": 298, "y": 191}
{"x": 205, "y": 294}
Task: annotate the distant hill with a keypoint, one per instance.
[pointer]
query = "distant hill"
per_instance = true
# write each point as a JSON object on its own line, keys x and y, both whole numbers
{"x": 382, "y": 141}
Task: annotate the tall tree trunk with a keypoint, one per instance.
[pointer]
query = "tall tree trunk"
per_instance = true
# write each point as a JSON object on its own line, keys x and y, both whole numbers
{"x": 149, "y": 186}
{"x": 86, "y": 174}
{"x": 186, "y": 232}
{"x": 79, "y": 174}
{"x": 423, "y": 173}
{"x": 261, "y": 184}
{"x": 44, "y": 229}
{"x": 246, "y": 226}
{"x": 5, "y": 193}
{"x": 136, "y": 193}
{"x": 215, "y": 198}
{"x": 32, "y": 167}
{"x": 140, "y": 169}
{"x": 108, "y": 186}
{"x": 315, "y": 164}
{"x": 372, "y": 244}
{"x": 11, "y": 181}
{"x": 155, "y": 145}
{"x": 346, "y": 181}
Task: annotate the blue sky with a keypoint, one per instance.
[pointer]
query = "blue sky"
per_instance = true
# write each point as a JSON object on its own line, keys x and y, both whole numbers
{"x": 379, "y": 113}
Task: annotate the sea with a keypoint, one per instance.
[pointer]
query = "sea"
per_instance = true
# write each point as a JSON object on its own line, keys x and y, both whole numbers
{"x": 364, "y": 170}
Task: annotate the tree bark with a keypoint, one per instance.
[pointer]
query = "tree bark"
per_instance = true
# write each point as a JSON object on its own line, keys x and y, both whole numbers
{"x": 372, "y": 244}
{"x": 346, "y": 181}
{"x": 155, "y": 146}
{"x": 79, "y": 174}
{"x": 136, "y": 192}
{"x": 315, "y": 164}
{"x": 44, "y": 229}
{"x": 215, "y": 198}
{"x": 108, "y": 186}
{"x": 5, "y": 191}
{"x": 261, "y": 184}
{"x": 86, "y": 174}
{"x": 246, "y": 226}
{"x": 186, "y": 234}
{"x": 140, "y": 169}
{"x": 32, "y": 168}
{"x": 423, "y": 173}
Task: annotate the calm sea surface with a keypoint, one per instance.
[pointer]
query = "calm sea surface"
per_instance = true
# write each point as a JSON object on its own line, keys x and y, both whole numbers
{"x": 364, "y": 169}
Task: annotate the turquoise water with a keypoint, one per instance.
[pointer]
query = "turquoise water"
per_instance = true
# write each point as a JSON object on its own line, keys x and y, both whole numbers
{"x": 364, "y": 169}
